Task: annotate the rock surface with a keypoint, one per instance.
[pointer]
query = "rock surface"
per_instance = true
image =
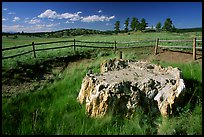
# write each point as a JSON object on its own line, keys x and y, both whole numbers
{"x": 124, "y": 86}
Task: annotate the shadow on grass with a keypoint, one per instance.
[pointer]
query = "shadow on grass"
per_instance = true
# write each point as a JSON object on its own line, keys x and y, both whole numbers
{"x": 25, "y": 72}
{"x": 191, "y": 97}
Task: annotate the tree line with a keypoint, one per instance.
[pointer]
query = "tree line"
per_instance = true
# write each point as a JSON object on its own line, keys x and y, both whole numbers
{"x": 130, "y": 25}
{"x": 58, "y": 34}
{"x": 136, "y": 25}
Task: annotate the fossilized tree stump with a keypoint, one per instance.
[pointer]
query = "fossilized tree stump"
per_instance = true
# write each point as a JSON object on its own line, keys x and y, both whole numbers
{"x": 124, "y": 85}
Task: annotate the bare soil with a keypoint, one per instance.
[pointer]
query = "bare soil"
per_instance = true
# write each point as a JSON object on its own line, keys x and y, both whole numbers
{"x": 177, "y": 56}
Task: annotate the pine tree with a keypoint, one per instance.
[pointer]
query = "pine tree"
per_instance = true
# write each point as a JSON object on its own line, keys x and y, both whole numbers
{"x": 126, "y": 24}
{"x": 167, "y": 25}
{"x": 143, "y": 24}
{"x": 134, "y": 24}
{"x": 117, "y": 27}
{"x": 158, "y": 26}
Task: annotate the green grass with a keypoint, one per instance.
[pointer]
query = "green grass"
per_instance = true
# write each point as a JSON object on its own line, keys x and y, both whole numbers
{"x": 8, "y": 42}
{"x": 189, "y": 120}
{"x": 188, "y": 123}
{"x": 56, "y": 110}
{"x": 53, "y": 109}
{"x": 134, "y": 36}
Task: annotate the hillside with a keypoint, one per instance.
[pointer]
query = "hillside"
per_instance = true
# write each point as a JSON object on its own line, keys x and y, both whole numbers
{"x": 61, "y": 33}
{"x": 83, "y": 31}
{"x": 190, "y": 30}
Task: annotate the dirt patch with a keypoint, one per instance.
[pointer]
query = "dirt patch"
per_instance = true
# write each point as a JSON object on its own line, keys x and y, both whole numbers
{"x": 176, "y": 56}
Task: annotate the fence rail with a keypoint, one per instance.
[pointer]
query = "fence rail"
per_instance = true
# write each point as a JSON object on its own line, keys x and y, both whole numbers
{"x": 127, "y": 47}
{"x": 179, "y": 47}
{"x": 113, "y": 46}
{"x": 16, "y": 47}
{"x": 17, "y": 54}
{"x": 183, "y": 47}
{"x": 176, "y": 40}
{"x": 100, "y": 42}
{"x": 54, "y": 48}
{"x": 53, "y": 42}
{"x": 133, "y": 42}
{"x": 85, "y": 46}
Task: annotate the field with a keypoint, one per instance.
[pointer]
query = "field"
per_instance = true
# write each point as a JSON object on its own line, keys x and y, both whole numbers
{"x": 39, "y": 94}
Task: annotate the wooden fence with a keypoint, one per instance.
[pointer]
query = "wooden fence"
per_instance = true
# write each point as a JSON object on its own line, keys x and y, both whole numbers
{"x": 194, "y": 47}
{"x": 113, "y": 46}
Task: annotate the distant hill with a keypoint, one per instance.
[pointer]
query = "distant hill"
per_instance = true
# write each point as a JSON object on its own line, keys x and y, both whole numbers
{"x": 83, "y": 31}
{"x": 78, "y": 31}
{"x": 62, "y": 33}
{"x": 190, "y": 30}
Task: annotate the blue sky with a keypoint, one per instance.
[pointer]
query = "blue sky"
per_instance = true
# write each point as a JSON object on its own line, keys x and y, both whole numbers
{"x": 52, "y": 16}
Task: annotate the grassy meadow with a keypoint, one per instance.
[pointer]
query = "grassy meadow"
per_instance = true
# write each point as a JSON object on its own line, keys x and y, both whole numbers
{"x": 136, "y": 36}
{"x": 54, "y": 110}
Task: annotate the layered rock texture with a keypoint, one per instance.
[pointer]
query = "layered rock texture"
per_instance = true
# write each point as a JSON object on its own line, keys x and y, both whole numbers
{"x": 123, "y": 86}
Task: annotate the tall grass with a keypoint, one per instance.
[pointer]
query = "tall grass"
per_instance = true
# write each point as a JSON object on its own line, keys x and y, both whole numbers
{"x": 189, "y": 118}
{"x": 55, "y": 110}
{"x": 188, "y": 123}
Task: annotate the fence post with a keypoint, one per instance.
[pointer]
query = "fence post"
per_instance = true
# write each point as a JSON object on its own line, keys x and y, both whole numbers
{"x": 33, "y": 44}
{"x": 115, "y": 47}
{"x": 156, "y": 46}
{"x": 120, "y": 55}
{"x": 74, "y": 46}
{"x": 194, "y": 49}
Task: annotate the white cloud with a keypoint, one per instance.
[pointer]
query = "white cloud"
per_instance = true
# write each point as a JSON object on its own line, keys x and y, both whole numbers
{"x": 11, "y": 13}
{"x": 99, "y": 11}
{"x": 33, "y": 21}
{"x": 69, "y": 22}
{"x": 33, "y": 28}
{"x": 54, "y": 15}
{"x": 95, "y": 18}
{"x": 5, "y": 9}
{"x": 48, "y": 14}
{"x": 76, "y": 18}
{"x": 14, "y": 28}
{"x": 4, "y": 19}
{"x": 67, "y": 15}
{"x": 46, "y": 25}
{"x": 52, "y": 25}
{"x": 16, "y": 19}
{"x": 108, "y": 24}
{"x": 112, "y": 17}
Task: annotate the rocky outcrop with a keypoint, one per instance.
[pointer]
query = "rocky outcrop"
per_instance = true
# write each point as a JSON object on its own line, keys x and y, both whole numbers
{"x": 123, "y": 86}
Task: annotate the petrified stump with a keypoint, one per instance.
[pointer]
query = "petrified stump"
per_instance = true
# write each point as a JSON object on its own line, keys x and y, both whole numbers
{"x": 124, "y": 85}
